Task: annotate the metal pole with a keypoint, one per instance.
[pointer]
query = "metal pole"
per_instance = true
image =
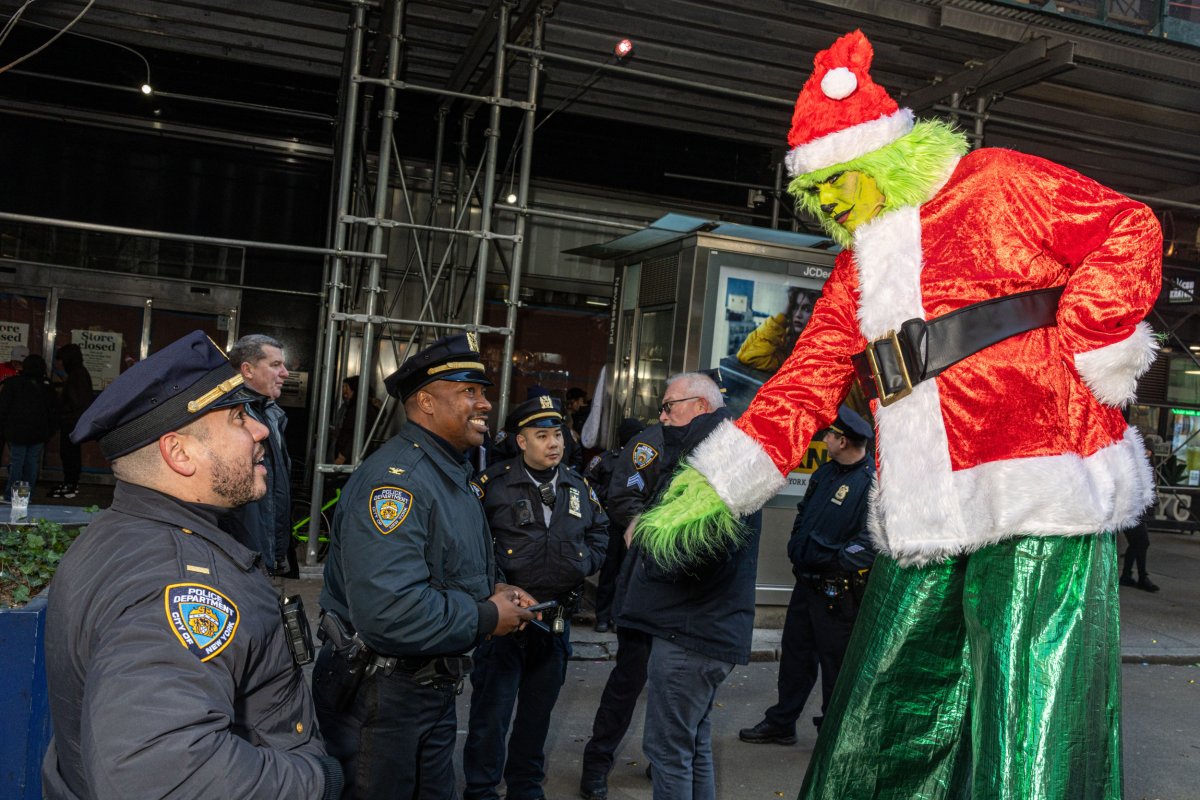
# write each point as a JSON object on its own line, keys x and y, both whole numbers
{"x": 776, "y": 195}
{"x": 325, "y": 379}
{"x": 534, "y": 212}
{"x": 514, "y": 282}
{"x": 489, "y": 182}
{"x": 382, "y": 191}
{"x": 184, "y": 237}
{"x": 435, "y": 188}
{"x": 980, "y": 109}
{"x": 460, "y": 197}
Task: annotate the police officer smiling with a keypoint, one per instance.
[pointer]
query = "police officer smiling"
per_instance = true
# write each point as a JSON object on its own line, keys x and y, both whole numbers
{"x": 168, "y": 665}
{"x": 550, "y": 533}
{"x": 410, "y": 586}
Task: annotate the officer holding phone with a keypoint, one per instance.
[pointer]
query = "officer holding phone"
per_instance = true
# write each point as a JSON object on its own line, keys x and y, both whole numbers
{"x": 550, "y": 533}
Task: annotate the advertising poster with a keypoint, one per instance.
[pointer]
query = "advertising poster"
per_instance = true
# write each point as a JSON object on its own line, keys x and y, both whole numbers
{"x": 101, "y": 355}
{"x": 759, "y": 317}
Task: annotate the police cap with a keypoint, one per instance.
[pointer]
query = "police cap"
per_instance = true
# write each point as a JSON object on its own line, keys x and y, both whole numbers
{"x": 451, "y": 358}
{"x": 163, "y": 393}
{"x": 537, "y": 412}
{"x": 849, "y": 423}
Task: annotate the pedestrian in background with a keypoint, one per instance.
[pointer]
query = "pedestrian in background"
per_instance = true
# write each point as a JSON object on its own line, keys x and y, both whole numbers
{"x": 27, "y": 421}
{"x": 75, "y": 397}
{"x": 260, "y": 361}
{"x": 599, "y": 472}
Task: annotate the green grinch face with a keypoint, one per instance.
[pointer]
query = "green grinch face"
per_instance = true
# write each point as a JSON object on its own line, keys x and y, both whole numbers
{"x": 849, "y": 199}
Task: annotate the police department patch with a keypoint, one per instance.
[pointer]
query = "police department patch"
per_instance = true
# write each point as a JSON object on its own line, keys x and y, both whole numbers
{"x": 643, "y": 455}
{"x": 591, "y": 465}
{"x": 389, "y": 506}
{"x": 477, "y": 489}
{"x": 204, "y": 620}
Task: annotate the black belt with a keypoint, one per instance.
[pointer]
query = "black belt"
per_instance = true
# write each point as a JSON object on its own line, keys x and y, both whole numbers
{"x": 899, "y": 360}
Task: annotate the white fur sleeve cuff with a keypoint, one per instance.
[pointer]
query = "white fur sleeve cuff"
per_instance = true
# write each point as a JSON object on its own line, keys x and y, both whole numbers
{"x": 737, "y": 467}
{"x": 1111, "y": 372}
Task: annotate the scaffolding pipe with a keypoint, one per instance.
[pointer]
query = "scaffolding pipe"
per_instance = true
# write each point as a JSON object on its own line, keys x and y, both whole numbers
{"x": 325, "y": 379}
{"x": 384, "y": 222}
{"x": 493, "y": 100}
{"x": 460, "y": 197}
{"x": 419, "y": 323}
{"x": 220, "y": 241}
{"x": 435, "y": 188}
{"x": 489, "y": 177}
{"x": 533, "y": 212}
{"x": 706, "y": 88}
{"x": 366, "y": 356}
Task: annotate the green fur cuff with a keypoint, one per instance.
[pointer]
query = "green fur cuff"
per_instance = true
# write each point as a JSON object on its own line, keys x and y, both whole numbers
{"x": 689, "y": 525}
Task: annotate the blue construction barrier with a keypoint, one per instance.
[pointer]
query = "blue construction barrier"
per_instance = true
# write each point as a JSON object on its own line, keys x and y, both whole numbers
{"x": 24, "y": 702}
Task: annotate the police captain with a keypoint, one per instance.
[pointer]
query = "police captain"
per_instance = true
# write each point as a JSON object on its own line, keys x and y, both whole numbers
{"x": 550, "y": 533}
{"x": 410, "y": 585}
{"x": 168, "y": 665}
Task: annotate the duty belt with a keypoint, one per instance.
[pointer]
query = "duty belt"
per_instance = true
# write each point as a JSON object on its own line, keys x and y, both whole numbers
{"x": 424, "y": 670}
{"x": 893, "y": 364}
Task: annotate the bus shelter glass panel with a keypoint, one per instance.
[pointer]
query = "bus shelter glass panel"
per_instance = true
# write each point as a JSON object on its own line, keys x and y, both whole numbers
{"x": 655, "y": 334}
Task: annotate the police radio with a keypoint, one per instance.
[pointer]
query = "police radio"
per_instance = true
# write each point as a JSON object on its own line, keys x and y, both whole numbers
{"x": 299, "y": 635}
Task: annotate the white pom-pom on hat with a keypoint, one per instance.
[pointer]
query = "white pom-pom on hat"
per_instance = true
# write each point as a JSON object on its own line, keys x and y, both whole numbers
{"x": 838, "y": 83}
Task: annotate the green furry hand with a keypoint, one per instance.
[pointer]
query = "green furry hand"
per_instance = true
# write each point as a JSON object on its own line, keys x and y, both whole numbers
{"x": 689, "y": 525}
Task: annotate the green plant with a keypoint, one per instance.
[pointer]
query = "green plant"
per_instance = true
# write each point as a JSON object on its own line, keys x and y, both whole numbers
{"x": 29, "y": 556}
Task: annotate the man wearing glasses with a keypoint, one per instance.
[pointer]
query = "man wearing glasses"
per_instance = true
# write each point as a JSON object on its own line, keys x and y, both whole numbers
{"x": 692, "y": 627}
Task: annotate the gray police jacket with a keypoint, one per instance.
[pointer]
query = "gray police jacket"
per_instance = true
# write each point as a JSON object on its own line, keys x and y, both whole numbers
{"x": 410, "y": 562}
{"x": 168, "y": 666}
{"x": 546, "y": 561}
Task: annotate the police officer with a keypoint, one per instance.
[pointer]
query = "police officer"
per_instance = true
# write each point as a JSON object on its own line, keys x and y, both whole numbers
{"x": 410, "y": 585}
{"x": 598, "y": 473}
{"x": 168, "y": 665}
{"x": 550, "y": 533}
{"x": 831, "y": 554}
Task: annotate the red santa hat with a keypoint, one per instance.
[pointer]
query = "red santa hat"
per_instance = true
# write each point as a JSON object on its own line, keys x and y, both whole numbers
{"x": 841, "y": 113}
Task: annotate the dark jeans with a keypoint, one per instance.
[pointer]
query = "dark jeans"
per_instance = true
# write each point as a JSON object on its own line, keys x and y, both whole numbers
{"x": 71, "y": 455}
{"x": 393, "y": 737}
{"x": 1138, "y": 539}
{"x": 617, "y": 703}
{"x": 606, "y": 584}
{"x": 678, "y": 738}
{"x": 815, "y": 633}
{"x": 525, "y": 669}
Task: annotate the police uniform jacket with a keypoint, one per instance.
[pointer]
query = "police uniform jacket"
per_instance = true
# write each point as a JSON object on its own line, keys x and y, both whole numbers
{"x": 168, "y": 667}
{"x": 548, "y": 561}
{"x": 641, "y": 472}
{"x": 830, "y": 533}
{"x": 600, "y": 470}
{"x": 708, "y": 608}
{"x": 410, "y": 562}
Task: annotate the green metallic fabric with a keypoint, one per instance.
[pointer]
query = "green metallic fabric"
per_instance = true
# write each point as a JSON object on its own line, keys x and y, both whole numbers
{"x": 993, "y": 676}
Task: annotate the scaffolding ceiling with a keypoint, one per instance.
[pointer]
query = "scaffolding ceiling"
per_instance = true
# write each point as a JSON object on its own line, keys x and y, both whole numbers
{"x": 1122, "y": 107}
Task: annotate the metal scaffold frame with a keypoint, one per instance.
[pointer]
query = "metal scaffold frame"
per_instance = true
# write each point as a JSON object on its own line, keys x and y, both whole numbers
{"x": 355, "y": 182}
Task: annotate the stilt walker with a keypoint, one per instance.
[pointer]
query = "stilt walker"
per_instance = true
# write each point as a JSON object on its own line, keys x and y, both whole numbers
{"x": 991, "y": 304}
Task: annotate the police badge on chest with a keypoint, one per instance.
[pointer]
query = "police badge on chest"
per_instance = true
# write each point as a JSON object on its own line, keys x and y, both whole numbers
{"x": 840, "y": 494}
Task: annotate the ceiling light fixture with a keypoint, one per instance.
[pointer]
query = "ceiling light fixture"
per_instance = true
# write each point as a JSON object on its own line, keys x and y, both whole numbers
{"x": 147, "y": 88}
{"x": 624, "y": 48}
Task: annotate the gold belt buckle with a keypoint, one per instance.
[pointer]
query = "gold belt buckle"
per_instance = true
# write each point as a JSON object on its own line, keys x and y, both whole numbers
{"x": 887, "y": 398}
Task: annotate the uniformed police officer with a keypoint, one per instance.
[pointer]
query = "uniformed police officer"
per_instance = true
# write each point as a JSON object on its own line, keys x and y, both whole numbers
{"x": 598, "y": 473}
{"x": 550, "y": 533}
{"x": 410, "y": 586}
{"x": 831, "y": 554}
{"x": 168, "y": 665}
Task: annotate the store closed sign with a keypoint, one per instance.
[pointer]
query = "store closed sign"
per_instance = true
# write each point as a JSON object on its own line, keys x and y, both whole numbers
{"x": 101, "y": 355}
{"x": 1182, "y": 291}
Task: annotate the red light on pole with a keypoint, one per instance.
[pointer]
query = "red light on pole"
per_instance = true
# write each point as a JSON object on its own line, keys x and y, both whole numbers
{"x": 623, "y": 48}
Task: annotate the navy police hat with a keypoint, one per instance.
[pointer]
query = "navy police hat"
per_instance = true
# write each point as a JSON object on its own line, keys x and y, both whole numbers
{"x": 542, "y": 411}
{"x": 451, "y": 358}
{"x": 163, "y": 393}
{"x": 849, "y": 423}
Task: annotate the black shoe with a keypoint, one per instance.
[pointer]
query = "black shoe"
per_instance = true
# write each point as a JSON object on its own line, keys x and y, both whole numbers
{"x": 1146, "y": 584}
{"x": 69, "y": 491}
{"x": 602, "y": 626}
{"x": 594, "y": 791}
{"x": 58, "y": 491}
{"x": 1128, "y": 581}
{"x": 766, "y": 733}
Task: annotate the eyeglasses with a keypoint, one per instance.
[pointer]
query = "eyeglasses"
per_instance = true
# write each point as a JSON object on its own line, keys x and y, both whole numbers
{"x": 667, "y": 404}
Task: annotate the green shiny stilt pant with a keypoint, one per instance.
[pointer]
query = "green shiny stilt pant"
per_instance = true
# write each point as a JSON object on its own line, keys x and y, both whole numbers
{"x": 992, "y": 676}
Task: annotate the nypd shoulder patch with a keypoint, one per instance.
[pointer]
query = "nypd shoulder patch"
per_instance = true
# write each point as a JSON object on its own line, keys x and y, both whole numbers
{"x": 389, "y": 506}
{"x": 591, "y": 465}
{"x": 203, "y": 619}
{"x": 643, "y": 455}
{"x": 477, "y": 489}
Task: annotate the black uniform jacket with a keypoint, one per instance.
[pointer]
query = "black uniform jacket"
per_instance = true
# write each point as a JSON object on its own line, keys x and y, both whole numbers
{"x": 709, "y": 607}
{"x": 599, "y": 472}
{"x": 547, "y": 562}
{"x": 168, "y": 666}
{"x": 830, "y": 532}
{"x": 410, "y": 562}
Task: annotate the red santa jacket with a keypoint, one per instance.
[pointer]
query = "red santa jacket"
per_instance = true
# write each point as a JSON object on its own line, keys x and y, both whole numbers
{"x": 1022, "y": 438}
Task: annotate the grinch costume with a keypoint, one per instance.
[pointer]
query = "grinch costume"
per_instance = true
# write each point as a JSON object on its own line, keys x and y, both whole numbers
{"x": 985, "y": 661}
